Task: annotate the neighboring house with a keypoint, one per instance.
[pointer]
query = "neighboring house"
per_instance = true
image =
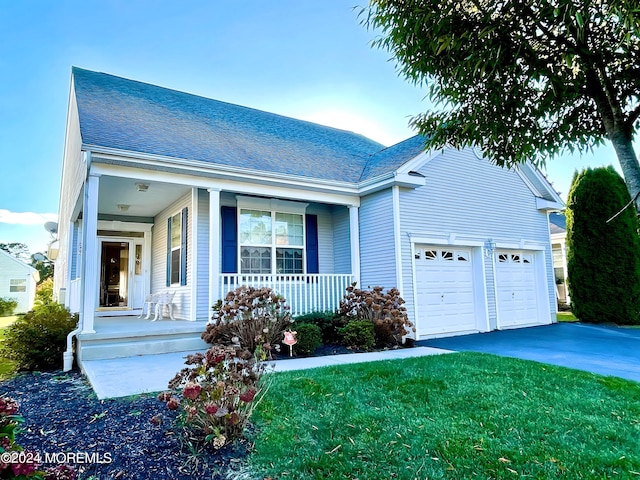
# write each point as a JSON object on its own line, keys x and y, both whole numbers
{"x": 558, "y": 231}
{"x": 18, "y": 281}
{"x": 167, "y": 191}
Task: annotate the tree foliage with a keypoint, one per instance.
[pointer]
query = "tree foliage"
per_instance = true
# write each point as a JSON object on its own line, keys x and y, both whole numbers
{"x": 17, "y": 250}
{"x": 603, "y": 257}
{"x": 522, "y": 79}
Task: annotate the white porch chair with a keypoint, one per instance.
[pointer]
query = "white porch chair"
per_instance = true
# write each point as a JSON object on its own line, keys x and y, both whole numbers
{"x": 164, "y": 299}
{"x": 149, "y": 302}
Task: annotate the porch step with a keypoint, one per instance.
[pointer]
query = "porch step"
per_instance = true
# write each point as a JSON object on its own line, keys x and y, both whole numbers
{"x": 102, "y": 348}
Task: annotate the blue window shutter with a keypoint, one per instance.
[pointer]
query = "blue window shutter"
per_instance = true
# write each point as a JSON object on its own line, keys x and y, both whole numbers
{"x": 183, "y": 246}
{"x": 169, "y": 252}
{"x": 229, "y": 240}
{"x": 311, "y": 226}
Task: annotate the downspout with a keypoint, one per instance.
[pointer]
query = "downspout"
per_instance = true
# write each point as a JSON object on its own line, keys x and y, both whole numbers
{"x": 67, "y": 356}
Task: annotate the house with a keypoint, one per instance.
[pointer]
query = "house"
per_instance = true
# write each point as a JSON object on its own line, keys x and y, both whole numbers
{"x": 167, "y": 191}
{"x": 558, "y": 231}
{"x": 18, "y": 281}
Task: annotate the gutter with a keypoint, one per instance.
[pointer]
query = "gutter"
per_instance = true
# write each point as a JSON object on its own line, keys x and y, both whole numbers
{"x": 67, "y": 356}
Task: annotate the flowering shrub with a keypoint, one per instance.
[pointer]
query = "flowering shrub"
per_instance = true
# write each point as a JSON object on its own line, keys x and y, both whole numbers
{"x": 253, "y": 318}
{"x": 22, "y": 464}
{"x": 216, "y": 395}
{"x": 384, "y": 309}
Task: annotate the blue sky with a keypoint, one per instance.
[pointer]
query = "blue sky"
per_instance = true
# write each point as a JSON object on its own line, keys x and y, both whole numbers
{"x": 309, "y": 59}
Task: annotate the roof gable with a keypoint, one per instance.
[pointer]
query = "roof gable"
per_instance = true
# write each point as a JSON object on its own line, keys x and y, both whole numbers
{"x": 138, "y": 117}
{"x": 13, "y": 259}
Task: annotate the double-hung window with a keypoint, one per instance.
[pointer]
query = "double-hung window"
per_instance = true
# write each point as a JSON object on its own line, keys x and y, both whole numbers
{"x": 177, "y": 249}
{"x": 271, "y": 241}
{"x": 17, "y": 285}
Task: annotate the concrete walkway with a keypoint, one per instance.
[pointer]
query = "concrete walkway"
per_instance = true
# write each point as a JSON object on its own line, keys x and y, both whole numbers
{"x": 605, "y": 350}
{"x": 121, "y": 377}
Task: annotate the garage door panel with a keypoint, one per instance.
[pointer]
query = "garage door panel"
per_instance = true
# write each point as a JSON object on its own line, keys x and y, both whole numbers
{"x": 445, "y": 290}
{"x": 517, "y": 287}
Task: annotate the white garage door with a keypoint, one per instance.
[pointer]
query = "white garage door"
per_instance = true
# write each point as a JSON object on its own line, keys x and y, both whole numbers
{"x": 517, "y": 288}
{"x": 445, "y": 290}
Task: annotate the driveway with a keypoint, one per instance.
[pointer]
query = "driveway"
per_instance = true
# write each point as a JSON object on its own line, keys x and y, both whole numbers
{"x": 599, "y": 349}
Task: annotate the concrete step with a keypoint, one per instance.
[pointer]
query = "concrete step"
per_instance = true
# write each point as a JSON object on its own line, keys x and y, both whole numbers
{"x": 131, "y": 346}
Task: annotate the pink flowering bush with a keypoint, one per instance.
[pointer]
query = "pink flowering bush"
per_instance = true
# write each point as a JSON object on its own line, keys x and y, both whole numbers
{"x": 15, "y": 462}
{"x": 385, "y": 310}
{"x": 252, "y": 318}
{"x": 216, "y": 394}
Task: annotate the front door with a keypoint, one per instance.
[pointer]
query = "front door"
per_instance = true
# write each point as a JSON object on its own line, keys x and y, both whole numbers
{"x": 116, "y": 274}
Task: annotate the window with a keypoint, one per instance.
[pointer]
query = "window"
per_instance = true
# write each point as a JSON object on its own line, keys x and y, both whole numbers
{"x": 17, "y": 285}
{"x": 177, "y": 249}
{"x": 271, "y": 242}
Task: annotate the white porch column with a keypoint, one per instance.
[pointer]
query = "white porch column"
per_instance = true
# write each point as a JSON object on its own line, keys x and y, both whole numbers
{"x": 214, "y": 245}
{"x": 89, "y": 281}
{"x": 354, "y": 235}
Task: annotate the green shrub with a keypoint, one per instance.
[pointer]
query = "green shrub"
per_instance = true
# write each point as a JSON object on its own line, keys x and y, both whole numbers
{"x": 44, "y": 292}
{"x": 358, "y": 334}
{"x": 328, "y": 322}
{"x": 7, "y": 306}
{"x": 603, "y": 257}
{"x": 253, "y": 318}
{"x": 37, "y": 340}
{"x": 309, "y": 338}
{"x": 385, "y": 310}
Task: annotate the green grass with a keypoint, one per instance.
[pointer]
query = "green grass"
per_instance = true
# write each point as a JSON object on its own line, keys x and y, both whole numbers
{"x": 566, "y": 317}
{"x": 457, "y": 416}
{"x": 7, "y": 367}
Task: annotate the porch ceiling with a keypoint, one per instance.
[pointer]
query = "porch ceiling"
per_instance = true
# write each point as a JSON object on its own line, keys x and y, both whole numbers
{"x": 114, "y": 191}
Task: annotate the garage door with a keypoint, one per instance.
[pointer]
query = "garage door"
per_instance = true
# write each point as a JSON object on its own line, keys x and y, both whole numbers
{"x": 517, "y": 288}
{"x": 445, "y": 290}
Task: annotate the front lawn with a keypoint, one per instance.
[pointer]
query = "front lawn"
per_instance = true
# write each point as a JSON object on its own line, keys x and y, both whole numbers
{"x": 457, "y": 416}
{"x": 566, "y": 317}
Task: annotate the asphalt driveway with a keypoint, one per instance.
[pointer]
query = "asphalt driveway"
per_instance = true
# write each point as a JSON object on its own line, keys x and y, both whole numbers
{"x": 599, "y": 349}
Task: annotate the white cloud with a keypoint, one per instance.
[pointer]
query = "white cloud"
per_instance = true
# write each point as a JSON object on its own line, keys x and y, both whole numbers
{"x": 26, "y": 218}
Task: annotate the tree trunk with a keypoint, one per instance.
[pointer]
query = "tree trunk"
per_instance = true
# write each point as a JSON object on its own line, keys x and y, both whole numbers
{"x": 629, "y": 164}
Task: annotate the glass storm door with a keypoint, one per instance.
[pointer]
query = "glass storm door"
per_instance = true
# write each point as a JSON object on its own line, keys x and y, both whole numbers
{"x": 117, "y": 266}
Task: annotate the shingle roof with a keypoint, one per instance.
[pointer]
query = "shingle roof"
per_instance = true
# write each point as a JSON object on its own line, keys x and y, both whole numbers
{"x": 134, "y": 116}
{"x": 391, "y": 158}
{"x": 557, "y": 223}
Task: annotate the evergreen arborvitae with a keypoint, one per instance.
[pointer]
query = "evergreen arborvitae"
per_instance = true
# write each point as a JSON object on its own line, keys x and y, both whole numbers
{"x": 603, "y": 259}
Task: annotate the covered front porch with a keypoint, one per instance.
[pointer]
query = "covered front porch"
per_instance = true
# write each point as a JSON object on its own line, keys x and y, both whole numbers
{"x": 139, "y": 232}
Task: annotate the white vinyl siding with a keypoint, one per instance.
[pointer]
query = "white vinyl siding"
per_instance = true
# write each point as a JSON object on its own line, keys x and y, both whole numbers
{"x": 341, "y": 240}
{"x": 73, "y": 176}
{"x": 17, "y": 282}
{"x": 182, "y": 298}
{"x": 202, "y": 284}
{"x": 377, "y": 245}
{"x": 468, "y": 197}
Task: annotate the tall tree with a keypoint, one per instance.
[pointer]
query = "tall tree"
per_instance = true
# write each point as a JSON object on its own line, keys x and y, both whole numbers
{"x": 603, "y": 257}
{"x": 17, "y": 250}
{"x": 522, "y": 79}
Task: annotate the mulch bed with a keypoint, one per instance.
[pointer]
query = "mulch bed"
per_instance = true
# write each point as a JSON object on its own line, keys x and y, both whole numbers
{"x": 62, "y": 416}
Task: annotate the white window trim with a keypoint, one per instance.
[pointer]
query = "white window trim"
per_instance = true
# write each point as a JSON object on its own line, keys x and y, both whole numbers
{"x": 179, "y": 247}
{"x": 22, "y": 283}
{"x": 274, "y": 206}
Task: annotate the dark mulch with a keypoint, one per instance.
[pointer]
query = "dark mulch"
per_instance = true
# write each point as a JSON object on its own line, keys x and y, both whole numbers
{"x": 63, "y": 415}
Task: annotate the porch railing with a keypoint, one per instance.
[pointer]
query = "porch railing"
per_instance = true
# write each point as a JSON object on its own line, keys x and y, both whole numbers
{"x": 304, "y": 293}
{"x": 74, "y": 296}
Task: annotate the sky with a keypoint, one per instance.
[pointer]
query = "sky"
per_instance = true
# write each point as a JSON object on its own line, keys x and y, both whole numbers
{"x": 307, "y": 59}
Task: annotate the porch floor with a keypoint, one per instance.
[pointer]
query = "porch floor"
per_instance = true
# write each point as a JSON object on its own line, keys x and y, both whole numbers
{"x": 121, "y": 377}
{"x": 132, "y": 326}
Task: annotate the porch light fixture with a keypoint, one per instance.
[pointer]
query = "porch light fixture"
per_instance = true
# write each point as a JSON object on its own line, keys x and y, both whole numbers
{"x": 142, "y": 187}
{"x": 122, "y": 207}
{"x": 489, "y": 247}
